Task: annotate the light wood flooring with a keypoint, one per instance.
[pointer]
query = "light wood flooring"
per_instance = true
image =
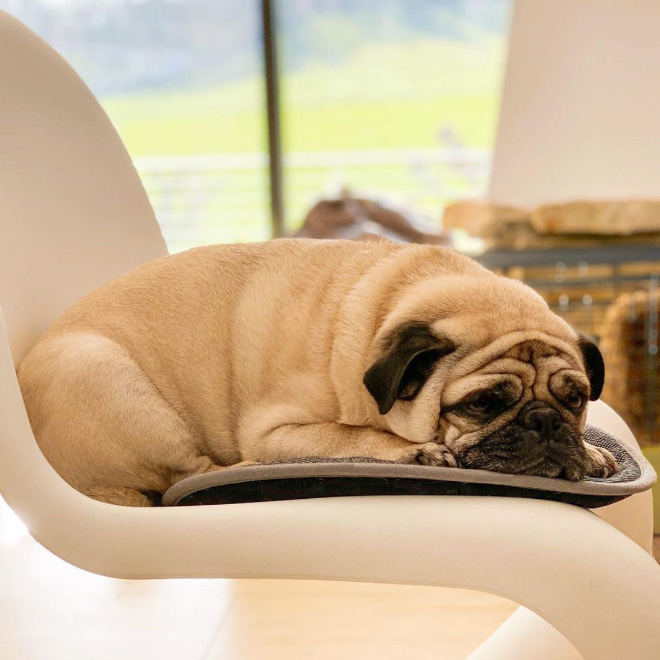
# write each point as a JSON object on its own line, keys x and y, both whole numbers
{"x": 53, "y": 611}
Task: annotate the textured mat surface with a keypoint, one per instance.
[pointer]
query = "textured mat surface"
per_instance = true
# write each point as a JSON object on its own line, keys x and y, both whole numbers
{"x": 315, "y": 476}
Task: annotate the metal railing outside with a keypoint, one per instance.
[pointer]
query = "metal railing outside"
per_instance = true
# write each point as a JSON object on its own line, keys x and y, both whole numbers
{"x": 224, "y": 198}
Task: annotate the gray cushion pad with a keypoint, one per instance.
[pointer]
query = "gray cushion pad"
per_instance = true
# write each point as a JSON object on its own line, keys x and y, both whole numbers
{"x": 315, "y": 476}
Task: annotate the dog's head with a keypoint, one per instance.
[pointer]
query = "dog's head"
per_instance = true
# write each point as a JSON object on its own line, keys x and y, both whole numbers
{"x": 502, "y": 393}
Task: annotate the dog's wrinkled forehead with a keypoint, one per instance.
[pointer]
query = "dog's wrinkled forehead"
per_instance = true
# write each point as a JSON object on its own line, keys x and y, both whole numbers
{"x": 532, "y": 351}
{"x": 533, "y": 348}
{"x": 523, "y": 363}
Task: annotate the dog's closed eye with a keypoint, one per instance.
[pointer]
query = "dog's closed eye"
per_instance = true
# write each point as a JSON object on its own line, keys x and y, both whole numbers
{"x": 486, "y": 404}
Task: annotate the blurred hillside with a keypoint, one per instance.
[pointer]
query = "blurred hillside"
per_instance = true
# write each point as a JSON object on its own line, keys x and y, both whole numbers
{"x": 121, "y": 46}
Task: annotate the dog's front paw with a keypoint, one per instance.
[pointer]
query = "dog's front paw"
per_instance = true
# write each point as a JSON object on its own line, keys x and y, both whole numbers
{"x": 433, "y": 454}
{"x": 600, "y": 462}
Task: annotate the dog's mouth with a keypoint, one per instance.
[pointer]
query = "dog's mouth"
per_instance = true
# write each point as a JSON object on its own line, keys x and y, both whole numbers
{"x": 520, "y": 451}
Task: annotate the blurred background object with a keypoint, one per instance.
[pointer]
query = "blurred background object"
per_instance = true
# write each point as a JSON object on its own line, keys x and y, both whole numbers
{"x": 630, "y": 347}
{"x": 570, "y": 225}
{"x": 350, "y": 217}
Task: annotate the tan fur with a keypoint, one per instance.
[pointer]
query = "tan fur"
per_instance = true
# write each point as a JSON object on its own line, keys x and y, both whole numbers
{"x": 234, "y": 353}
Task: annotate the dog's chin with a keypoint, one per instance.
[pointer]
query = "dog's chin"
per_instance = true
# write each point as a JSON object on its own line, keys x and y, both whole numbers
{"x": 518, "y": 451}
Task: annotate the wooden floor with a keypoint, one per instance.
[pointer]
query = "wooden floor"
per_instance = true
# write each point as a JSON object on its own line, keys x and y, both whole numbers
{"x": 52, "y": 611}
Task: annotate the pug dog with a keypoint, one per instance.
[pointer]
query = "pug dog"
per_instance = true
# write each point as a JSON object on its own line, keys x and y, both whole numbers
{"x": 227, "y": 355}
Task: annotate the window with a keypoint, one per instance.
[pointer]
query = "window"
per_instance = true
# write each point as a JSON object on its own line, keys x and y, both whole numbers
{"x": 391, "y": 98}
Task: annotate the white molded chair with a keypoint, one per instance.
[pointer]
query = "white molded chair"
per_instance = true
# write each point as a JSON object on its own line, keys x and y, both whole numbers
{"x": 74, "y": 215}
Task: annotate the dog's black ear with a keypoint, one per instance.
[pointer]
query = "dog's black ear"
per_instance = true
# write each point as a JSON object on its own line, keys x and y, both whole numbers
{"x": 594, "y": 365}
{"x": 407, "y": 358}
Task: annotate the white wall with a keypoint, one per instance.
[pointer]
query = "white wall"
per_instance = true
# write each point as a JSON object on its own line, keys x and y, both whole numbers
{"x": 580, "y": 115}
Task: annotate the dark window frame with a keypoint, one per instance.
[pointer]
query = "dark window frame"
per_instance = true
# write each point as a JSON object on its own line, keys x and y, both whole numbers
{"x": 271, "y": 76}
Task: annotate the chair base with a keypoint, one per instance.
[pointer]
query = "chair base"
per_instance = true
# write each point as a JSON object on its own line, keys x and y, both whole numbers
{"x": 526, "y": 635}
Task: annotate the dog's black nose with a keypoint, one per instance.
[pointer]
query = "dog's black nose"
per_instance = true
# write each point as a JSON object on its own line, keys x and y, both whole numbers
{"x": 545, "y": 420}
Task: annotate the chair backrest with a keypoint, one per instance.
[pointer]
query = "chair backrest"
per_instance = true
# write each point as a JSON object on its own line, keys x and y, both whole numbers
{"x": 73, "y": 213}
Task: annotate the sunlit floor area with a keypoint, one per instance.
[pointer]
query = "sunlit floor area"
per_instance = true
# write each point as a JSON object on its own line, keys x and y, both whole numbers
{"x": 53, "y": 610}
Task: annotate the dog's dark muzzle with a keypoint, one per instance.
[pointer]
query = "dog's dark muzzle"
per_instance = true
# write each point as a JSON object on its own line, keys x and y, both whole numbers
{"x": 539, "y": 441}
{"x": 541, "y": 418}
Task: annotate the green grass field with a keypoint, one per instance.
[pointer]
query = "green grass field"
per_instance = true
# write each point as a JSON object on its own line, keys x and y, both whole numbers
{"x": 387, "y": 96}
